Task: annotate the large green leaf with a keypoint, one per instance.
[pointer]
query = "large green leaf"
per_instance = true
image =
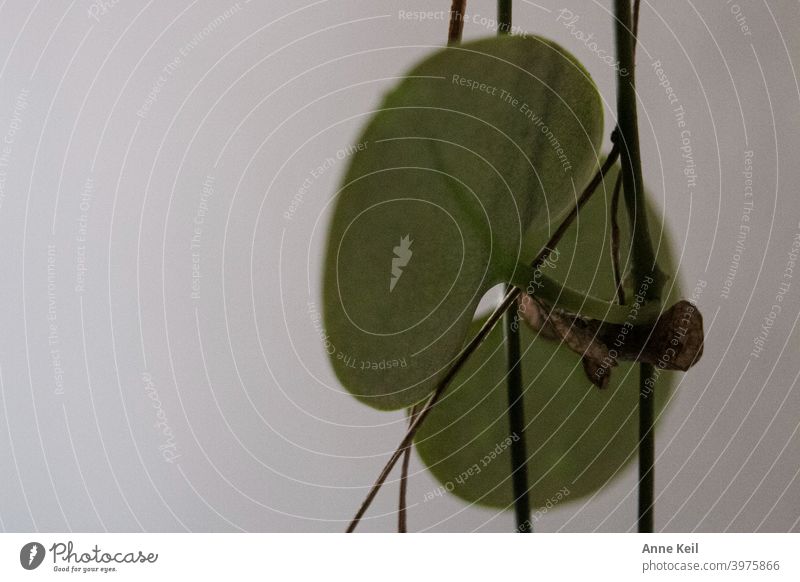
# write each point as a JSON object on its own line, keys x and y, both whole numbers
{"x": 578, "y": 436}
{"x": 477, "y": 144}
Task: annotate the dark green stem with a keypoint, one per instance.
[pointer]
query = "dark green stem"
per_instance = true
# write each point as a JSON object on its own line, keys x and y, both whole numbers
{"x": 647, "y": 450}
{"x": 516, "y": 397}
{"x": 503, "y": 16}
{"x": 516, "y": 423}
{"x": 647, "y": 277}
{"x": 615, "y": 239}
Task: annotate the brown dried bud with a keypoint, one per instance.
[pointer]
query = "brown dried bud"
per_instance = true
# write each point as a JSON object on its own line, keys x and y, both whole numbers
{"x": 673, "y": 342}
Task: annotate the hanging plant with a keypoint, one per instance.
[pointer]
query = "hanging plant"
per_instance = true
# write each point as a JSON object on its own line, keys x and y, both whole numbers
{"x": 479, "y": 171}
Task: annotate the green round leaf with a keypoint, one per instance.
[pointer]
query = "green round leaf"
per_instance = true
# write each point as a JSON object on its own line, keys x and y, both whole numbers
{"x": 477, "y": 144}
{"x": 578, "y": 437}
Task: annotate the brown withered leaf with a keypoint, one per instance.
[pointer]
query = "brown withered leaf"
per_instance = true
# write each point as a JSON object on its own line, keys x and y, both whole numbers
{"x": 673, "y": 342}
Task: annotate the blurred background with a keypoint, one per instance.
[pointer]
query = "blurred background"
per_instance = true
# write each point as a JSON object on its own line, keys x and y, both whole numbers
{"x": 166, "y": 175}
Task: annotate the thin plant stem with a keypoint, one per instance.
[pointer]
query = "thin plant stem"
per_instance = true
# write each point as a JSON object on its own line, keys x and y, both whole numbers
{"x": 617, "y": 190}
{"x": 457, "y": 9}
{"x": 503, "y": 16}
{"x": 477, "y": 340}
{"x": 402, "y": 523}
{"x": 516, "y": 424}
{"x": 644, "y": 267}
{"x": 516, "y": 396}
{"x": 647, "y": 451}
{"x": 615, "y": 239}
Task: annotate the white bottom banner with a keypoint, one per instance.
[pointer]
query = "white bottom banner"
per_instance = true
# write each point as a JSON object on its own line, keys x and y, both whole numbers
{"x": 389, "y": 557}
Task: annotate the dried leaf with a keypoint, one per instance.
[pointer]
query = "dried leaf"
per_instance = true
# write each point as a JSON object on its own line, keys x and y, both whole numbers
{"x": 673, "y": 342}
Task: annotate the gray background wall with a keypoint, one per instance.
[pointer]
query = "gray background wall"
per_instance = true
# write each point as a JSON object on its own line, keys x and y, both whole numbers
{"x": 130, "y": 404}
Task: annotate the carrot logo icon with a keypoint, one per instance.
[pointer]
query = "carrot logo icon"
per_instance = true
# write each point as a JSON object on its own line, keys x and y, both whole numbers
{"x": 31, "y": 555}
{"x": 402, "y": 256}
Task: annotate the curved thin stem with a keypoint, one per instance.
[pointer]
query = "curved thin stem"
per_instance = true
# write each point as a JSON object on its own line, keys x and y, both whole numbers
{"x": 402, "y": 523}
{"x": 476, "y": 341}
